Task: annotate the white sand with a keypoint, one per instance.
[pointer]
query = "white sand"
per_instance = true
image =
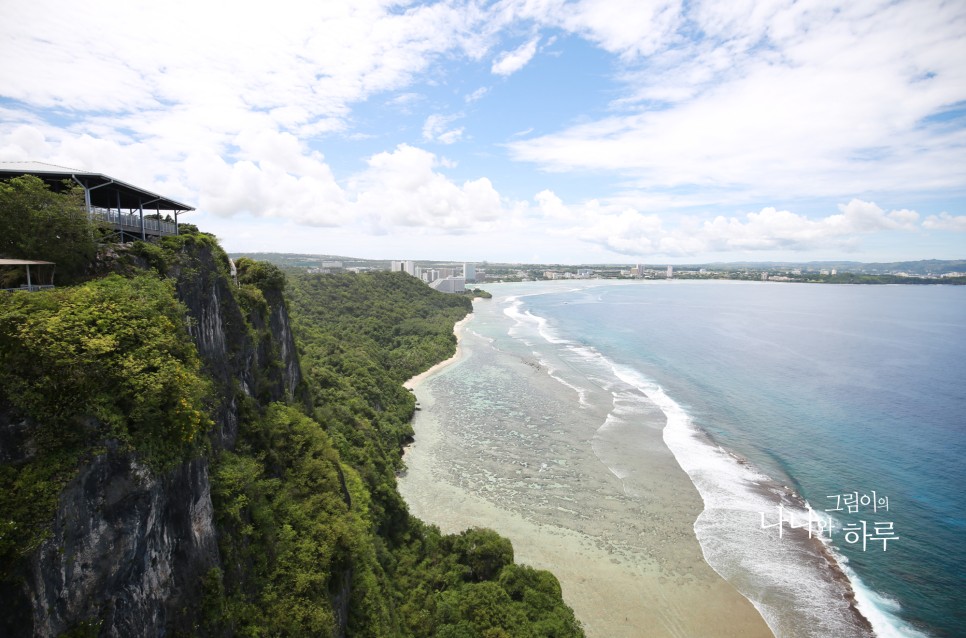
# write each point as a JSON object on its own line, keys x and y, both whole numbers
{"x": 414, "y": 383}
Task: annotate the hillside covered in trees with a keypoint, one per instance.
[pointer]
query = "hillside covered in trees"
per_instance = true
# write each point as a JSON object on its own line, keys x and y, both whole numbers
{"x": 179, "y": 454}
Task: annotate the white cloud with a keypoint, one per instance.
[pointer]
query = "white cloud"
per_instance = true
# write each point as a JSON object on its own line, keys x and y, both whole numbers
{"x": 552, "y": 207}
{"x": 627, "y": 231}
{"x": 945, "y": 221}
{"x": 407, "y": 102}
{"x": 780, "y": 102}
{"x": 177, "y": 67}
{"x": 402, "y": 188}
{"x": 714, "y": 106}
{"x": 476, "y": 95}
{"x": 628, "y": 27}
{"x": 436, "y": 129}
{"x": 510, "y": 62}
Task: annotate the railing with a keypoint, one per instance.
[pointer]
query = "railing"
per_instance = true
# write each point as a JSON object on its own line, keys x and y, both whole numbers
{"x": 132, "y": 223}
{"x": 31, "y": 288}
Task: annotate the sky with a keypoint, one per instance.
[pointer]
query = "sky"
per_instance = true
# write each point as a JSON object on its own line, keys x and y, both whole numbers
{"x": 532, "y": 131}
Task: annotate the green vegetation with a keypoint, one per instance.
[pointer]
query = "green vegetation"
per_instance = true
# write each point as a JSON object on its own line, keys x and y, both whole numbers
{"x": 109, "y": 359}
{"x": 314, "y": 538}
{"x": 39, "y": 224}
{"x": 286, "y": 528}
{"x": 855, "y": 278}
{"x": 261, "y": 274}
{"x": 307, "y": 505}
{"x": 400, "y": 323}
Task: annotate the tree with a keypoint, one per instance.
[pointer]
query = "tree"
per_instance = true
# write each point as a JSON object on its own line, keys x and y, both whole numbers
{"x": 41, "y": 224}
{"x": 484, "y": 551}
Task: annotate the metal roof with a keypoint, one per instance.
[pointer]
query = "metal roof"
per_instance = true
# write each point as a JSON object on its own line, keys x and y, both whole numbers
{"x": 23, "y": 262}
{"x": 114, "y": 194}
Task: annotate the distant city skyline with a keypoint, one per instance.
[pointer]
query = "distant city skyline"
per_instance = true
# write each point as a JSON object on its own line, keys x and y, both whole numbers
{"x": 552, "y": 132}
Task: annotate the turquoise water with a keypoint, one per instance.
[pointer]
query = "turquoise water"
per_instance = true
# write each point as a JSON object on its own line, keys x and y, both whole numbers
{"x": 829, "y": 390}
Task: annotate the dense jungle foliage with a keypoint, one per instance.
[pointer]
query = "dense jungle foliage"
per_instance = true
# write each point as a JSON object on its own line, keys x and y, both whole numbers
{"x": 310, "y": 501}
{"x": 106, "y": 360}
{"x": 39, "y": 224}
{"x": 314, "y": 538}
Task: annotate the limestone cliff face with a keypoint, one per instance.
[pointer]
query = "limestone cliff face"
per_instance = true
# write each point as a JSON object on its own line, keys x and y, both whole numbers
{"x": 280, "y": 328}
{"x": 129, "y": 546}
{"x": 128, "y": 549}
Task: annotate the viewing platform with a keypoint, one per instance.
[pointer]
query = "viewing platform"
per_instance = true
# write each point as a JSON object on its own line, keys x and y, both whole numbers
{"x": 130, "y": 223}
{"x": 30, "y": 286}
{"x": 134, "y": 213}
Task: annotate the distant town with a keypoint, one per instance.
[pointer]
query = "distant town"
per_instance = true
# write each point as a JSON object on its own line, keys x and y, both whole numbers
{"x": 453, "y": 277}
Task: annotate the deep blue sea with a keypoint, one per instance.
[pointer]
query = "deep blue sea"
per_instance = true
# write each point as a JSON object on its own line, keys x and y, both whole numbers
{"x": 830, "y": 390}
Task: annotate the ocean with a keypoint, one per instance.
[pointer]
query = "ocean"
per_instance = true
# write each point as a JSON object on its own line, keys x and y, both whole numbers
{"x": 834, "y": 411}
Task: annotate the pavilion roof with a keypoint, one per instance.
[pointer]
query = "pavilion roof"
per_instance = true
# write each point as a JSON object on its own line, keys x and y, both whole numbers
{"x": 23, "y": 262}
{"x": 116, "y": 193}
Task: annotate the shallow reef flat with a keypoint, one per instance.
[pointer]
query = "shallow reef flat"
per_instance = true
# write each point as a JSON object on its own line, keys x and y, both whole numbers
{"x": 503, "y": 441}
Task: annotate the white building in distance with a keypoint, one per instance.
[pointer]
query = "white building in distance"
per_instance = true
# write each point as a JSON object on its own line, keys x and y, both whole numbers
{"x": 469, "y": 271}
{"x": 449, "y": 284}
{"x": 408, "y": 267}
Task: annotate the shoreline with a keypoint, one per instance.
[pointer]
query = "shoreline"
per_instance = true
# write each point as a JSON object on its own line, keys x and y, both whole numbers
{"x": 414, "y": 382}
{"x": 623, "y": 548}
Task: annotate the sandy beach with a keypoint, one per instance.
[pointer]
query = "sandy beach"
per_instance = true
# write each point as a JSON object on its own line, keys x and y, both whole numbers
{"x": 415, "y": 382}
{"x": 500, "y": 443}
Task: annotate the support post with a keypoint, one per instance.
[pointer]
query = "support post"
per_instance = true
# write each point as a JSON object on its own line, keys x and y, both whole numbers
{"x": 120, "y": 223}
{"x": 87, "y": 197}
{"x": 29, "y": 284}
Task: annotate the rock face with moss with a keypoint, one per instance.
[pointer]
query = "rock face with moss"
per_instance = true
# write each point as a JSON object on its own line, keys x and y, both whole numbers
{"x": 103, "y": 455}
{"x": 166, "y": 467}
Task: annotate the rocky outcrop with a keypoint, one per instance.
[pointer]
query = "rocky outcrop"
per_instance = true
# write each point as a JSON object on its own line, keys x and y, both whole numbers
{"x": 127, "y": 551}
{"x": 261, "y": 362}
{"x": 129, "y": 546}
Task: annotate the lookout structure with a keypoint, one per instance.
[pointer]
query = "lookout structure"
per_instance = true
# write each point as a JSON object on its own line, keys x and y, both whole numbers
{"x": 147, "y": 214}
{"x": 30, "y": 285}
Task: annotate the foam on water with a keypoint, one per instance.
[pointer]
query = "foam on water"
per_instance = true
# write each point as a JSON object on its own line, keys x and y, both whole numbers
{"x": 791, "y": 584}
{"x": 524, "y": 323}
{"x": 730, "y": 487}
{"x": 553, "y": 372}
{"x": 882, "y": 612}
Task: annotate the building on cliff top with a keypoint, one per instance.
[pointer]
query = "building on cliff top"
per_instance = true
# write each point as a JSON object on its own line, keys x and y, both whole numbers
{"x": 148, "y": 214}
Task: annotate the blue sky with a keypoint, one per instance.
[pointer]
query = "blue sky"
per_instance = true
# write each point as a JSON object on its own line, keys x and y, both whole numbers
{"x": 517, "y": 130}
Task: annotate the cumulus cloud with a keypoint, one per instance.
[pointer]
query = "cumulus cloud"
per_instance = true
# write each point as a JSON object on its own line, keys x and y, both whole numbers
{"x": 510, "y": 62}
{"x": 715, "y": 106}
{"x": 945, "y": 221}
{"x": 552, "y": 207}
{"x": 403, "y": 188}
{"x": 860, "y": 217}
{"x": 630, "y": 232}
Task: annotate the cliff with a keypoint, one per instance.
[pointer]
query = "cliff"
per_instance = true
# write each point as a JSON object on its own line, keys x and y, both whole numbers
{"x": 166, "y": 468}
{"x": 128, "y": 543}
